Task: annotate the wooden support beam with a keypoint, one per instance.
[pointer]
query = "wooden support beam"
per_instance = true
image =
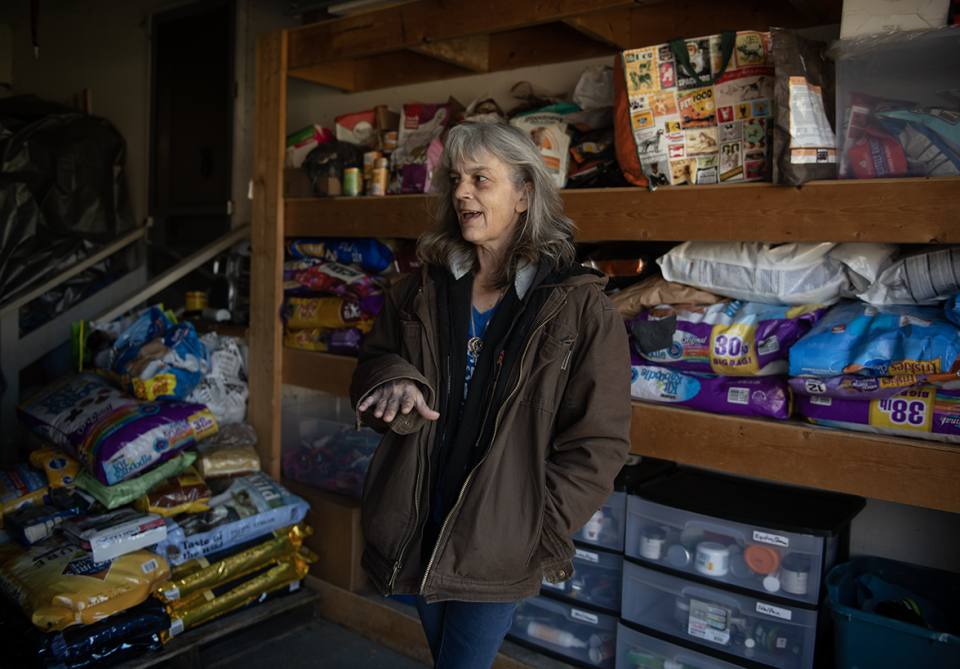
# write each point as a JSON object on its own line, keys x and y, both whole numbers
{"x": 612, "y": 27}
{"x": 412, "y": 24}
{"x": 472, "y": 53}
{"x": 341, "y": 74}
{"x": 543, "y": 45}
{"x": 401, "y": 68}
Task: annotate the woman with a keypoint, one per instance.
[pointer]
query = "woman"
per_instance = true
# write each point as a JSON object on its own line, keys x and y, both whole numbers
{"x": 501, "y": 374}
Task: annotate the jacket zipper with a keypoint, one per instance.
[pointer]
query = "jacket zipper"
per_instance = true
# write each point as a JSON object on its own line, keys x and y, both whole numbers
{"x": 493, "y": 437}
{"x": 416, "y": 505}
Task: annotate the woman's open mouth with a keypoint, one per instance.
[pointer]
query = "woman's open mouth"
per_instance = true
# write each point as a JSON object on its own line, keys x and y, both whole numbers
{"x": 467, "y": 216}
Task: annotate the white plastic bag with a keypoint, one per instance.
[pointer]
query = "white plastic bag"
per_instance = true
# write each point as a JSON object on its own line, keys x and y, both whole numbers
{"x": 922, "y": 278}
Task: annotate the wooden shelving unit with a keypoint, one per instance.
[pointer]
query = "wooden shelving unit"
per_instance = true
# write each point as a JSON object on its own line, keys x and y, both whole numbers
{"x": 456, "y": 40}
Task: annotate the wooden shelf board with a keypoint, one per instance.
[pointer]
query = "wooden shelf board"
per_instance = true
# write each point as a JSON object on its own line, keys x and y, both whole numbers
{"x": 899, "y": 211}
{"x": 908, "y": 471}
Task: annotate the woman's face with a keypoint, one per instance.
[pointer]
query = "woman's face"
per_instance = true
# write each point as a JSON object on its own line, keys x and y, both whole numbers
{"x": 487, "y": 205}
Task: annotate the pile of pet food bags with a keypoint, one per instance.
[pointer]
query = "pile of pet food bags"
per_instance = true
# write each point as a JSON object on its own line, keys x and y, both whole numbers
{"x": 142, "y": 511}
{"x": 859, "y": 336}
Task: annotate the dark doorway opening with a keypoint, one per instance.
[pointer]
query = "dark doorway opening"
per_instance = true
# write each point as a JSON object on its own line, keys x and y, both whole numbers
{"x": 191, "y": 133}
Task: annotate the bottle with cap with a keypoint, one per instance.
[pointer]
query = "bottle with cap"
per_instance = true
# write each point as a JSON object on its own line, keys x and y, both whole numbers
{"x": 762, "y": 559}
{"x": 712, "y": 559}
{"x": 795, "y": 574}
{"x": 652, "y": 540}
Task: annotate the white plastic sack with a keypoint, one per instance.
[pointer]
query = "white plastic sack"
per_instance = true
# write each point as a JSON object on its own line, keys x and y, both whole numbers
{"x": 923, "y": 278}
{"x": 791, "y": 274}
{"x": 224, "y": 389}
{"x": 594, "y": 88}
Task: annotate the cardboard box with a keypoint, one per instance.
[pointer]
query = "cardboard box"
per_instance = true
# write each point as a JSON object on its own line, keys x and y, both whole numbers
{"x": 337, "y": 538}
{"x": 296, "y": 183}
{"x": 869, "y": 17}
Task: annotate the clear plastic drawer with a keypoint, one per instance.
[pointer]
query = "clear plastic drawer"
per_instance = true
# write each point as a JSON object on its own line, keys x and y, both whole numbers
{"x": 635, "y": 649}
{"x": 775, "y": 562}
{"x": 567, "y": 632}
{"x": 742, "y": 626}
{"x": 596, "y": 580}
{"x": 605, "y": 529}
{"x": 779, "y": 541}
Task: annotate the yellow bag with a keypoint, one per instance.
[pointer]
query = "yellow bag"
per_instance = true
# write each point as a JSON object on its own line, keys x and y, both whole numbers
{"x": 57, "y": 583}
{"x": 62, "y": 470}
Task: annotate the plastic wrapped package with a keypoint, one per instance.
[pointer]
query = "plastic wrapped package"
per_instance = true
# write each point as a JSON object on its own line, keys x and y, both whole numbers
{"x": 230, "y": 452}
{"x": 116, "y": 533}
{"x": 224, "y": 389}
{"x": 891, "y": 103}
{"x": 924, "y": 278}
{"x": 58, "y": 584}
{"x": 208, "y": 604}
{"x": 853, "y": 387}
{"x": 20, "y": 486}
{"x": 331, "y": 313}
{"x": 656, "y": 290}
{"x": 331, "y": 456}
{"x": 370, "y": 254}
{"x": 159, "y": 360}
{"x": 61, "y": 469}
{"x": 925, "y": 413}
{"x": 250, "y": 506}
{"x": 49, "y": 221}
{"x": 794, "y": 273}
{"x": 184, "y": 493}
{"x": 118, "y": 494}
{"x": 411, "y": 170}
{"x": 341, "y": 342}
{"x": 730, "y": 338}
{"x": 740, "y": 396}
{"x": 336, "y": 279}
{"x": 200, "y": 574}
{"x": 114, "y": 436}
{"x": 862, "y": 339}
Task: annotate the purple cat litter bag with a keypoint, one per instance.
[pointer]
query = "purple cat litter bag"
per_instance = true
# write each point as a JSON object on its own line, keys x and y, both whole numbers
{"x": 751, "y": 396}
{"x": 113, "y": 435}
{"x": 924, "y": 413}
{"x": 730, "y": 338}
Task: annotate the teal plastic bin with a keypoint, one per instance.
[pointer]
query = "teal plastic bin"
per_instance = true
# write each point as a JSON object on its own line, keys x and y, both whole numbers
{"x": 865, "y": 640}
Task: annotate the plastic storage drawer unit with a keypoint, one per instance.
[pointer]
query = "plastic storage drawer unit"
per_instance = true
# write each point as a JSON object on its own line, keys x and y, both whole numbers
{"x": 742, "y": 626}
{"x": 596, "y": 581}
{"x": 635, "y": 649}
{"x": 605, "y": 529}
{"x": 566, "y": 632}
{"x": 868, "y": 639}
{"x": 775, "y": 540}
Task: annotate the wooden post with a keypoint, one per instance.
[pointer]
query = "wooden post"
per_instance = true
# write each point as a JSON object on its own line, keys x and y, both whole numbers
{"x": 266, "y": 293}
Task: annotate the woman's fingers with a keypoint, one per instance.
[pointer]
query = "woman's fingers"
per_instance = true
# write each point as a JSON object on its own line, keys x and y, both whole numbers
{"x": 395, "y": 397}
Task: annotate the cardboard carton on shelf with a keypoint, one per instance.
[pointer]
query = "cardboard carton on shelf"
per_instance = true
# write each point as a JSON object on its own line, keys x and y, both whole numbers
{"x": 337, "y": 538}
{"x": 296, "y": 183}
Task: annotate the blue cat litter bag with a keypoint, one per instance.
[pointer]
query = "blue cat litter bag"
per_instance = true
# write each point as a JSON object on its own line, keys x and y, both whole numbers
{"x": 859, "y": 338}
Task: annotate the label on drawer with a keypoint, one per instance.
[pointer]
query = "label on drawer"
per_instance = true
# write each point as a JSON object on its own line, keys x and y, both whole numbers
{"x": 775, "y": 611}
{"x": 577, "y": 614}
{"x": 767, "y": 538}
{"x": 587, "y": 556}
{"x": 710, "y": 622}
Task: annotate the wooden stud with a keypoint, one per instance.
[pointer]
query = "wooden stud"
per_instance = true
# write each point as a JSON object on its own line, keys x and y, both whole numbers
{"x": 543, "y": 45}
{"x": 612, "y": 27}
{"x": 266, "y": 294}
{"x": 472, "y": 53}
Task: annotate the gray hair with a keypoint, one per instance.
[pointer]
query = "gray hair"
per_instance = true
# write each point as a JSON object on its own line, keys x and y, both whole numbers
{"x": 543, "y": 229}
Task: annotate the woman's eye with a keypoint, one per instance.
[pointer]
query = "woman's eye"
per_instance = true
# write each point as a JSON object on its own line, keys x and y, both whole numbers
{"x": 481, "y": 178}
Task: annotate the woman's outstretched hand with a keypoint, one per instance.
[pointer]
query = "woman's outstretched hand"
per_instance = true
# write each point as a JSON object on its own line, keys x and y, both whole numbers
{"x": 401, "y": 395}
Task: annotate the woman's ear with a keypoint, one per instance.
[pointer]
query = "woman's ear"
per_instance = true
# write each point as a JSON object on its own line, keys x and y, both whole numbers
{"x": 524, "y": 202}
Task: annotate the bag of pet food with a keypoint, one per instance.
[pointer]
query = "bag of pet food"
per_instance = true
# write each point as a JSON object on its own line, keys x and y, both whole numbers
{"x": 551, "y": 133}
{"x": 113, "y": 435}
{"x": 864, "y": 388}
{"x": 730, "y": 338}
{"x": 370, "y": 254}
{"x": 866, "y": 340}
{"x": 925, "y": 413}
{"x": 420, "y": 125}
{"x": 57, "y": 583}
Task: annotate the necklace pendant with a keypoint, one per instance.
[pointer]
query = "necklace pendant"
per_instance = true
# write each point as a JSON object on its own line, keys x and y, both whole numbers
{"x": 475, "y": 345}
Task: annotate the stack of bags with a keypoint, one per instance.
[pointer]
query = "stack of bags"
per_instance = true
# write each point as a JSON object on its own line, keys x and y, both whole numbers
{"x": 333, "y": 289}
{"x": 128, "y": 478}
{"x": 867, "y": 336}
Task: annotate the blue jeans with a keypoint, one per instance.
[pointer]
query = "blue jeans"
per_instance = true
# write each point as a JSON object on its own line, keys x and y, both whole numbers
{"x": 464, "y": 635}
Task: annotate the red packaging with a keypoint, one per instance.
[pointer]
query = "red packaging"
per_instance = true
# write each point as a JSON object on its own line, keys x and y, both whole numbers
{"x": 877, "y": 155}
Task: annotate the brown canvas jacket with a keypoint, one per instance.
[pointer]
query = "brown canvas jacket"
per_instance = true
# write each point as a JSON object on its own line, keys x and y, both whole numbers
{"x": 562, "y": 435}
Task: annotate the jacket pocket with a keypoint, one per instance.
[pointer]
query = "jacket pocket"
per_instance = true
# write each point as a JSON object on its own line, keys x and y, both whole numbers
{"x": 412, "y": 346}
{"x": 547, "y": 372}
